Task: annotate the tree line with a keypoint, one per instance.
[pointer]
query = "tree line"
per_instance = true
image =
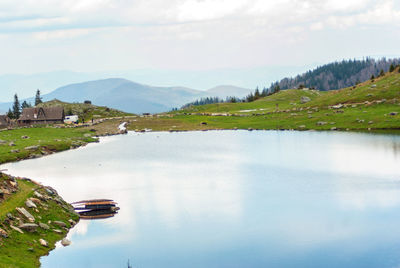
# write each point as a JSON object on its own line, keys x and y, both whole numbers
{"x": 338, "y": 75}
{"x": 15, "y": 111}
{"x": 231, "y": 99}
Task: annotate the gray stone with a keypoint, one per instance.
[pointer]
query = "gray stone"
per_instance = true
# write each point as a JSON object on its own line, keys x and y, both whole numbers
{"x": 3, "y": 233}
{"x": 59, "y": 223}
{"x": 3, "y": 142}
{"x": 10, "y": 216}
{"x": 24, "y": 137}
{"x": 302, "y": 126}
{"x": 321, "y": 123}
{"x": 44, "y": 226}
{"x": 38, "y": 195}
{"x": 333, "y": 128}
{"x": 394, "y": 113}
{"x": 29, "y": 227}
{"x": 65, "y": 242}
{"x": 32, "y": 148}
{"x": 16, "y": 229}
{"x": 58, "y": 231}
{"x": 30, "y": 204}
{"x": 43, "y": 242}
{"x": 26, "y": 214}
{"x": 14, "y": 151}
{"x": 72, "y": 222}
{"x": 11, "y": 144}
{"x": 305, "y": 99}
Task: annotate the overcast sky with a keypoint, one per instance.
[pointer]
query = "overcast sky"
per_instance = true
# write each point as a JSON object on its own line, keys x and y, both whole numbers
{"x": 100, "y": 35}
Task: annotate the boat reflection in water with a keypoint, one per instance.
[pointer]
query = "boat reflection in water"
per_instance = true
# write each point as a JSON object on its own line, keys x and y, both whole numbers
{"x": 96, "y": 209}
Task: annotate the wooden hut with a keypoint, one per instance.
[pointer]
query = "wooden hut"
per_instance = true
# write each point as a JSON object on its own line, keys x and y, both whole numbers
{"x": 42, "y": 115}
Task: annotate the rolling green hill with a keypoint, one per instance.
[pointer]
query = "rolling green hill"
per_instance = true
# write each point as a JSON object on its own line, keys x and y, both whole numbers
{"x": 85, "y": 111}
{"x": 372, "y": 105}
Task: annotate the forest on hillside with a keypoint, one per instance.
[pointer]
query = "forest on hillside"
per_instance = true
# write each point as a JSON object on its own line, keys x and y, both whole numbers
{"x": 338, "y": 75}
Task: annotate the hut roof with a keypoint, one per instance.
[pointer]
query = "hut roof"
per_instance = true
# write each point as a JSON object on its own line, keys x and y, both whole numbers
{"x": 42, "y": 113}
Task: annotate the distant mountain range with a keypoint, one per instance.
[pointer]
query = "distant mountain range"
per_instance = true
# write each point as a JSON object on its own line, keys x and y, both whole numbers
{"x": 133, "y": 97}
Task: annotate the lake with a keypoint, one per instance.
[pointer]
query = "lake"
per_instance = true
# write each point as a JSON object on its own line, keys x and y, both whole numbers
{"x": 231, "y": 199}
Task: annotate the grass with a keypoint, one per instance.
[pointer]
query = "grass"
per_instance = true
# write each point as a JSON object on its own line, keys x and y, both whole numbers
{"x": 24, "y": 250}
{"x": 49, "y": 139}
{"x": 366, "y": 106}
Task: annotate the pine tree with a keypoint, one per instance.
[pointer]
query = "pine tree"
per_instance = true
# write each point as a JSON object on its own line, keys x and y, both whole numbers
{"x": 256, "y": 94}
{"x": 391, "y": 69}
{"x": 10, "y": 114}
{"x": 372, "y": 78}
{"x": 382, "y": 73}
{"x": 16, "y": 107}
{"x": 25, "y": 105}
{"x": 38, "y": 99}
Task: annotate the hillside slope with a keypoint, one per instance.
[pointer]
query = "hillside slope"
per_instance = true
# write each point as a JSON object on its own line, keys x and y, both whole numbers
{"x": 372, "y": 105}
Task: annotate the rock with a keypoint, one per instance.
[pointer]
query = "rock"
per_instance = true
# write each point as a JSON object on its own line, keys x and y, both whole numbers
{"x": 370, "y": 122}
{"x": 26, "y": 214}
{"x": 72, "y": 222}
{"x": 3, "y": 233}
{"x": 30, "y": 249}
{"x": 333, "y": 128}
{"x": 394, "y": 113}
{"x": 58, "y": 231}
{"x": 29, "y": 227}
{"x": 59, "y": 223}
{"x": 35, "y": 200}
{"x": 65, "y": 242}
{"x": 14, "y": 151}
{"x": 38, "y": 195}
{"x": 203, "y": 123}
{"x": 10, "y": 216}
{"x": 3, "y": 142}
{"x": 305, "y": 99}
{"x": 321, "y": 123}
{"x": 24, "y": 137}
{"x": 32, "y": 148}
{"x": 11, "y": 144}
{"x": 338, "y": 106}
{"x": 373, "y": 86}
{"x": 44, "y": 226}
{"x": 43, "y": 242}
{"x": 302, "y": 126}
{"x": 16, "y": 229}
{"x": 30, "y": 204}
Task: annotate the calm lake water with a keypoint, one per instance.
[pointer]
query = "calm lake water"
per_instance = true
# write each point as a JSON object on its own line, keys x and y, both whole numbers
{"x": 231, "y": 199}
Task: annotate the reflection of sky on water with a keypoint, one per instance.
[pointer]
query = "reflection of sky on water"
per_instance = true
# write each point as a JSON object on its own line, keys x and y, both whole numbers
{"x": 231, "y": 199}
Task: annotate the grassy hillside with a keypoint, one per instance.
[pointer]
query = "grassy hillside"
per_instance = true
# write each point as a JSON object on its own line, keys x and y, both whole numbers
{"x": 372, "y": 105}
{"x": 85, "y": 111}
{"x": 20, "y": 247}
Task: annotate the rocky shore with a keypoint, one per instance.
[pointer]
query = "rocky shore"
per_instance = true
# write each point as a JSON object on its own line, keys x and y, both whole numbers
{"x": 33, "y": 218}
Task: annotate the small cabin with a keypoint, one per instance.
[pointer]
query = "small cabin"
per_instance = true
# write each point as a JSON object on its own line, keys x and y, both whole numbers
{"x": 71, "y": 119}
{"x": 4, "y": 121}
{"x": 42, "y": 115}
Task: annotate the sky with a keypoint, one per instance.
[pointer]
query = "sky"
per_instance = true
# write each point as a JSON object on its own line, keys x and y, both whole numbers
{"x": 191, "y": 35}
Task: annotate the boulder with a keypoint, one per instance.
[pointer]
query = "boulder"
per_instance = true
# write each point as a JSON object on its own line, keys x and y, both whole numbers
{"x": 394, "y": 113}
{"x": 30, "y": 204}
{"x": 65, "y": 242}
{"x": 3, "y": 233}
{"x": 321, "y": 123}
{"x": 11, "y": 143}
{"x": 32, "y": 148}
{"x": 16, "y": 229}
{"x": 29, "y": 227}
{"x": 38, "y": 195}
{"x": 58, "y": 231}
{"x": 72, "y": 222}
{"x": 305, "y": 99}
{"x": 26, "y": 214}
{"x": 10, "y": 216}
{"x": 44, "y": 226}
{"x": 14, "y": 151}
{"x": 43, "y": 242}
{"x": 59, "y": 223}
{"x": 24, "y": 137}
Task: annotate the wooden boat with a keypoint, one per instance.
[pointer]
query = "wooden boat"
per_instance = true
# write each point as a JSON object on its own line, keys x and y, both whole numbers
{"x": 96, "y": 208}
